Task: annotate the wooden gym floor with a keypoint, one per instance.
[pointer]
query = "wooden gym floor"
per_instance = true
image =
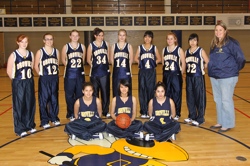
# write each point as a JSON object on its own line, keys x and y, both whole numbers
{"x": 204, "y": 146}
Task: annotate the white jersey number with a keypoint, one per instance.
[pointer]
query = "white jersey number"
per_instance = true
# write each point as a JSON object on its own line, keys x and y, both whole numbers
{"x": 169, "y": 66}
{"x": 191, "y": 68}
{"x": 101, "y": 60}
{"x": 76, "y": 63}
{"x": 26, "y": 72}
{"x": 123, "y": 64}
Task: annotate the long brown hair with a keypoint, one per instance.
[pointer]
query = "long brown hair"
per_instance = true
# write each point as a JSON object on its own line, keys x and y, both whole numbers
{"x": 215, "y": 41}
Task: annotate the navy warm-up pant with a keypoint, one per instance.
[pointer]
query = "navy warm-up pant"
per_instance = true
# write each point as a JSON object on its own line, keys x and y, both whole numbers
{"x": 147, "y": 80}
{"x": 85, "y": 129}
{"x": 73, "y": 91}
{"x": 24, "y": 105}
{"x": 196, "y": 98}
{"x": 113, "y": 129}
{"x": 162, "y": 132}
{"x": 173, "y": 83}
{"x": 103, "y": 84}
{"x": 48, "y": 99}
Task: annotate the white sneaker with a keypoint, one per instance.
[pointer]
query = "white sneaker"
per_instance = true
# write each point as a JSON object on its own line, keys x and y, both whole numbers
{"x": 56, "y": 123}
{"x": 71, "y": 119}
{"x": 144, "y": 116}
{"x": 23, "y": 134}
{"x": 108, "y": 115}
{"x": 188, "y": 120}
{"x": 149, "y": 137}
{"x": 173, "y": 137}
{"x": 147, "y": 116}
{"x": 110, "y": 135}
{"x": 139, "y": 135}
{"x": 98, "y": 135}
{"x": 73, "y": 137}
{"x": 46, "y": 126}
{"x": 32, "y": 130}
{"x": 176, "y": 118}
{"x": 195, "y": 123}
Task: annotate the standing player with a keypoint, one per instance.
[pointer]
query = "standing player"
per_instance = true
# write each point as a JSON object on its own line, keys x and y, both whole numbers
{"x": 121, "y": 57}
{"x": 19, "y": 70}
{"x": 161, "y": 109}
{"x": 73, "y": 55}
{"x": 46, "y": 66}
{"x": 173, "y": 60}
{"x": 97, "y": 58}
{"x": 196, "y": 61}
{"x": 147, "y": 57}
{"x": 124, "y": 102}
{"x": 87, "y": 110}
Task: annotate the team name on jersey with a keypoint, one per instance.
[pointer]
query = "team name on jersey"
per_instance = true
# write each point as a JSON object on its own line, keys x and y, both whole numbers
{"x": 192, "y": 59}
{"x": 23, "y": 64}
{"x": 121, "y": 54}
{"x": 50, "y": 61}
{"x": 147, "y": 55}
{"x": 124, "y": 110}
{"x": 100, "y": 51}
{"x": 162, "y": 113}
{"x": 87, "y": 114}
{"x": 170, "y": 57}
{"x": 75, "y": 54}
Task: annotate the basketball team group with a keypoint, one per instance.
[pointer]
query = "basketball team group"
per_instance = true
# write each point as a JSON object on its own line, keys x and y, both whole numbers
{"x": 160, "y": 102}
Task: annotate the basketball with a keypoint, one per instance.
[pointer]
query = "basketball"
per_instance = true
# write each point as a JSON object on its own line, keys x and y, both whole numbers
{"x": 123, "y": 121}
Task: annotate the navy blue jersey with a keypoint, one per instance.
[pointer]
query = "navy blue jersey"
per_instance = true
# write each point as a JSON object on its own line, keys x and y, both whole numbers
{"x": 147, "y": 58}
{"x": 22, "y": 68}
{"x": 100, "y": 64}
{"x": 121, "y": 107}
{"x": 194, "y": 63}
{"x": 88, "y": 112}
{"x": 74, "y": 62}
{"x": 161, "y": 113}
{"x": 48, "y": 63}
{"x": 172, "y": 62}
{"x": 121, "y": 60}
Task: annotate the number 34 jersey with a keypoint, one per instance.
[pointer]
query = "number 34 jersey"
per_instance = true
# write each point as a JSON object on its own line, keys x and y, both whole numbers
{"x": 48, "y": 63}
{"x": 74, "y": 61}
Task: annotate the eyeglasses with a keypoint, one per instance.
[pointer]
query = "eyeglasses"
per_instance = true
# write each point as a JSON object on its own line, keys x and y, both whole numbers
{"x": 48, "y": 39}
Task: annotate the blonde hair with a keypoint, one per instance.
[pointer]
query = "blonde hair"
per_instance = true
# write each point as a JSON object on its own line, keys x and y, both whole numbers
{"x": 215, "y": 41}
{"x": 175, "y": 37}
{"x": 122, "y": 30}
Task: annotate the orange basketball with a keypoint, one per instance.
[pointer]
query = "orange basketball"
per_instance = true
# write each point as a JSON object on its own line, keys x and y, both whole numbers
{"x": 123, "y": 121}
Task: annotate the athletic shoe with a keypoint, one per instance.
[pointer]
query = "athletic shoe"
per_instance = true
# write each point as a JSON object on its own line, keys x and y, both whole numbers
{"x": 139, "y": 135}
{"x": 98, "y": 135}
{"x": 46, "y": 126}
{"x": 110, "y": 135}
{"x": 195, "y": 123}
{"x": 108, "y": 115}
{"x": 71, "y": 118}
{"x": 176, "y": 118}
{"x": 188, "y": 120}
{"x": 149, "y": 137}
{"x": 32, "y": 130}
{"x": 56, "y": 123}
{"x": 147, "y": 116}
{"x": 144, "y": 116}
{"x": 73, "y": 137}
{"x": 23, "y": 134}
{"x": 173, "y": 137}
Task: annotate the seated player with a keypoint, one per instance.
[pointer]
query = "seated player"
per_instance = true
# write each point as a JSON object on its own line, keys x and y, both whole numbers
{"x": 124, "y": 102}
{"x": 161, "y": 109}
{"x": 87, "y": 111}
